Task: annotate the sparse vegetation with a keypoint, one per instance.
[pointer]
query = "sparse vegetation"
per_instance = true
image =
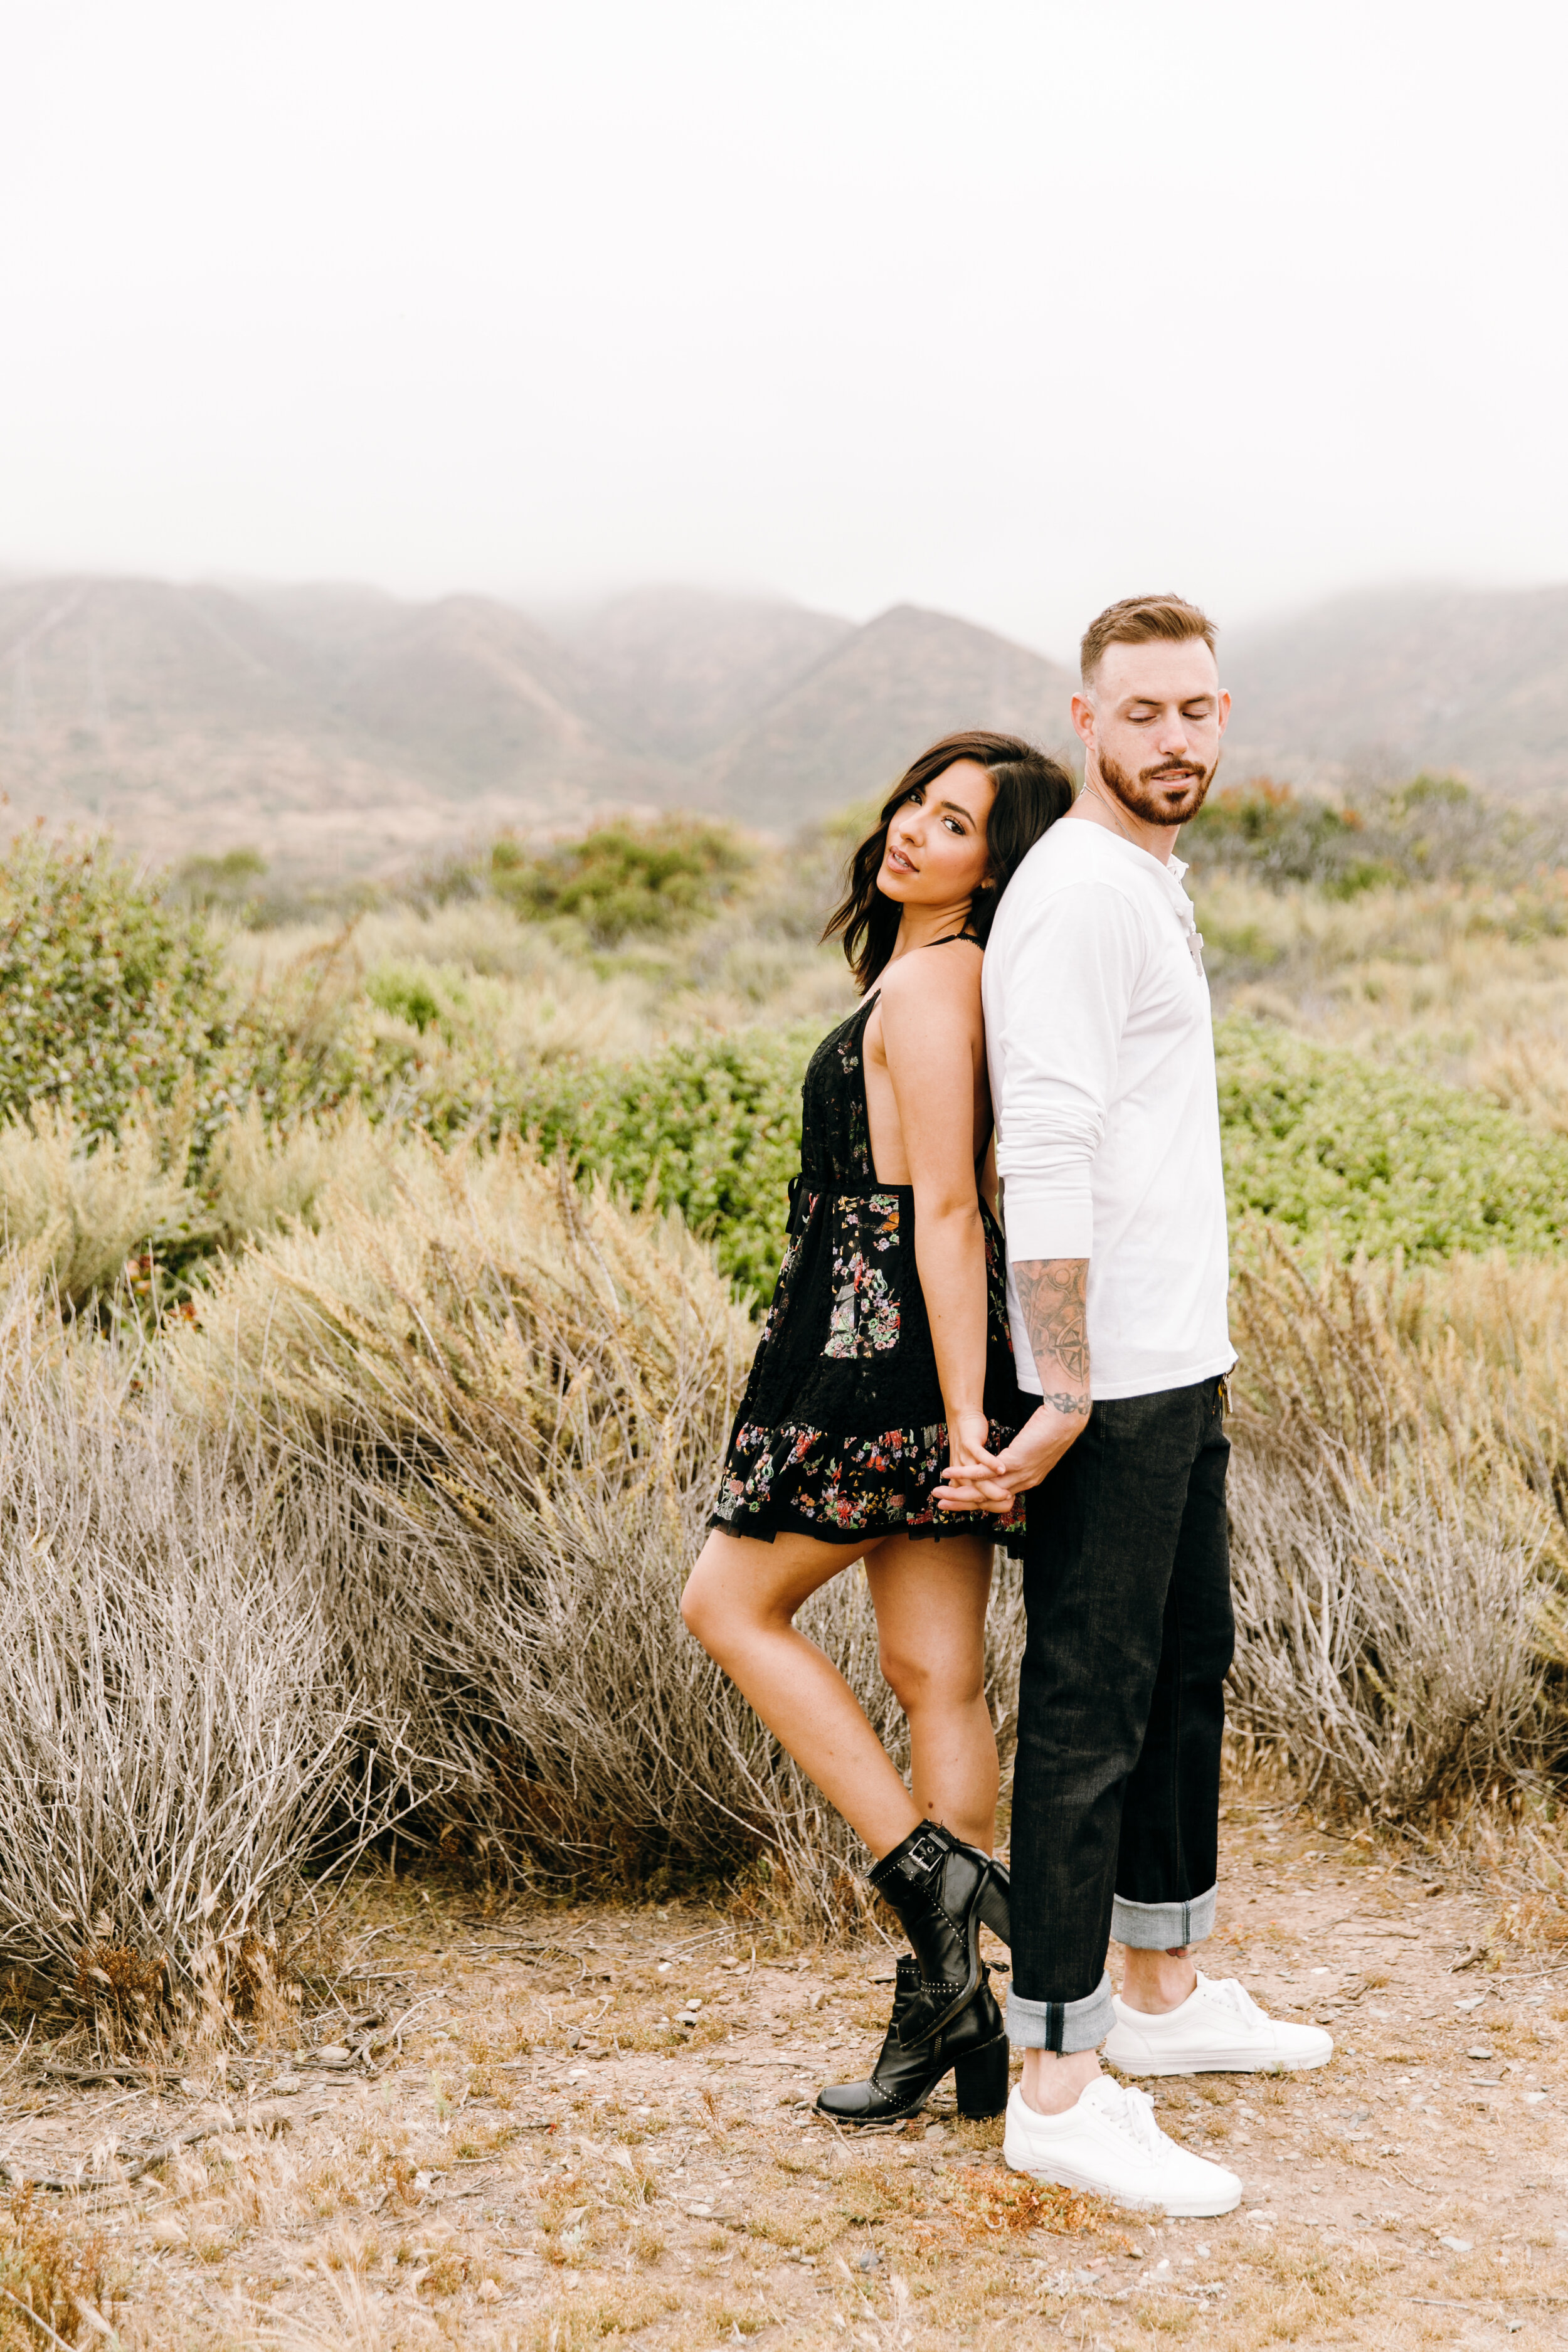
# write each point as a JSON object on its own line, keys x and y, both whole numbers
{"x": 367, "y": 1441}
{"x": 1432, "y": 829}
{"x": 623, "y": 879}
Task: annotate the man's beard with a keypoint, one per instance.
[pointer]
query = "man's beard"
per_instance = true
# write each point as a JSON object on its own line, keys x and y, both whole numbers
{"x": 1143, "y": 796}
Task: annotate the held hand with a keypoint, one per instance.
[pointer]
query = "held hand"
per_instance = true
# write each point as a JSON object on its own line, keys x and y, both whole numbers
{"x": 969, "y": 1458}
{"x": 968, "y": 1440}
{"x": 992, "y": 1485}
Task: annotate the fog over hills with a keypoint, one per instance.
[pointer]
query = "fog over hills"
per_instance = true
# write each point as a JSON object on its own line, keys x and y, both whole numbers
{"x": 1385, "y": 684}
{"x": 341, "y": 728}
{"x": 680, "y": 670}
{"x": 849, "y": 725}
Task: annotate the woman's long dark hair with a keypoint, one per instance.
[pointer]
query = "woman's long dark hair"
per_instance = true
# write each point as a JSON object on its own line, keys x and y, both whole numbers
{"x": 1030, "y": 792}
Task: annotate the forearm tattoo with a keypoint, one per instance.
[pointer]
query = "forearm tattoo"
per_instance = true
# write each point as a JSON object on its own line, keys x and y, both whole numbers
{"x": 1051, "y": 1293}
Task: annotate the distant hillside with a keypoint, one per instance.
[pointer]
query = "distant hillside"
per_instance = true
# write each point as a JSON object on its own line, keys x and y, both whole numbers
{"x": 330, "y": 727}
{"x": 852, "y": 723}
{"x": 1405, "y": 679}
{"x": 343, "y": 730}
{"x": 335, "y": 726}
{"x": 679, "y": 670}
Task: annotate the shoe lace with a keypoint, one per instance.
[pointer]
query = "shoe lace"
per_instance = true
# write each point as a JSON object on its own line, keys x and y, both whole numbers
{"x": 1233, "y": 1995}
{"x": 1133, "y": 2113}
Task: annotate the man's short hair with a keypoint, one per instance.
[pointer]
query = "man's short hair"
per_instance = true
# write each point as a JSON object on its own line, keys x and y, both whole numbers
{"x": 1140, "y": 620}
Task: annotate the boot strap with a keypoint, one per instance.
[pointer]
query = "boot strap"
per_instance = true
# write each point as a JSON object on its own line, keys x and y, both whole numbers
{"x": 927, "y": 1854}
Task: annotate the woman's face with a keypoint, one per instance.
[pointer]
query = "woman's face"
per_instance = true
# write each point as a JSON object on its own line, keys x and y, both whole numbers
{"x": 936, "y": 852}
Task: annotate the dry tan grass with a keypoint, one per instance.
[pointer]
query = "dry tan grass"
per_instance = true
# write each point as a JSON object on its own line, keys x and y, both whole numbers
{"x": 496, "y": 1407}
{"x": 651, "y": 2198}
{"x": 524, "y": 998}
{"x": 1399, "y": 1549}
{"x": 1471, "y": 984}
{"x": 74, "y": 1207}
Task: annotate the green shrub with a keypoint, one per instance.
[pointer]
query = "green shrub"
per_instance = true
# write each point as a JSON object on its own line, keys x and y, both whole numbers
{"x": 711, "y": 1129}
{"x": 232, "y": 881}
{"x": 104, "y": 991}
{"x": 1266, "y": 829}
{"x": 1432, "y": 829}
{"x": 624, "y": 878}
{"x": 1316, "y": 1137}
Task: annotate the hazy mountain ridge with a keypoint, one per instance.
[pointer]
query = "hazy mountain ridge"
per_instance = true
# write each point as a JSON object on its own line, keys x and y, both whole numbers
{"x": 847, "y": 729}
{"x": 1390, "y": 682}
{"x": 338, "y": 727}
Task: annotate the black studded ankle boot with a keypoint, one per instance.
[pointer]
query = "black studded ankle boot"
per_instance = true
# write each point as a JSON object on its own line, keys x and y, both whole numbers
{"x": 941, "y": 1890}
{"x": 972, "y": 2045}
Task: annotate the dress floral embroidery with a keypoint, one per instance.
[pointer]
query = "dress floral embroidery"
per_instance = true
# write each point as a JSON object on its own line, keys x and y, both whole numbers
{"x": 864, "y": 1318}
{"x": 840, "y": 1433}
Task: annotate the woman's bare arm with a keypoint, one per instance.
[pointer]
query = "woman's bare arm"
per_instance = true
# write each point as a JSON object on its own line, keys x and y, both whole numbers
{"x": 931, "y": 1038}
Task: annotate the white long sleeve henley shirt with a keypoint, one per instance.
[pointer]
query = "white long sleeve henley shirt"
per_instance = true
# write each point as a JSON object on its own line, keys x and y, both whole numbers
{"x": 1100, "y": 1044}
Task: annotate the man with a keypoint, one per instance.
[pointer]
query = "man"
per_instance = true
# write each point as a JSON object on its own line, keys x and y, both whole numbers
{"x": 1103, "y": 1075}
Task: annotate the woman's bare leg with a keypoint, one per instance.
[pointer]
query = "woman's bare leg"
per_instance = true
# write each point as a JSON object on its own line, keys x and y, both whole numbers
{"x": 931, "y": 1600}
{"x": 740, "y": 1601}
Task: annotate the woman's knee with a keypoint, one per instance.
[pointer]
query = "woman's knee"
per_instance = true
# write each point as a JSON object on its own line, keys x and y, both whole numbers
{"x": 713, "y": 1613}
{"x": 699, "y": 1609}
{"x": 918, "y": 1679}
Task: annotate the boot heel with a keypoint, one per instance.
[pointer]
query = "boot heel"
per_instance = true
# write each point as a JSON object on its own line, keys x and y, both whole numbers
{"x": 981, "y": 2081}
{"x": 994, "y": 1907}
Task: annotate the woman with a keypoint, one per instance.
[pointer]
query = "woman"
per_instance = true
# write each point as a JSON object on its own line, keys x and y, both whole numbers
{"x": 886, "y": 1351}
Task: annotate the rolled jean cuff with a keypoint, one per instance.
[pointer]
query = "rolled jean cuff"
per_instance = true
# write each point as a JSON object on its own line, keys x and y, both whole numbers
{"x": 1163, "y": 1927}
{"x": 1062, "y": 2025}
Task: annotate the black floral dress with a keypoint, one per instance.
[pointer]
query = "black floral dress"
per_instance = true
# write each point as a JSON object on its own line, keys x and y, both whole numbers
{"x": 840, "y": 1433}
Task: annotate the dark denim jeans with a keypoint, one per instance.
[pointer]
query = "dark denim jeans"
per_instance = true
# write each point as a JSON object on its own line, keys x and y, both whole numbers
{"x": 1121, "y": 1706}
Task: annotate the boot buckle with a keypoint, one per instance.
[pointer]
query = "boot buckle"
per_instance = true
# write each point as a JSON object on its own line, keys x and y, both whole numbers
{"x": 926, "y": 1854}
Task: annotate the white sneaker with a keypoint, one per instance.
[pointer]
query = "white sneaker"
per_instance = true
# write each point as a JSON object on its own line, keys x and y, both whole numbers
{"x": 1109, "y": 2143}
{"x": 1218, "y": 2029}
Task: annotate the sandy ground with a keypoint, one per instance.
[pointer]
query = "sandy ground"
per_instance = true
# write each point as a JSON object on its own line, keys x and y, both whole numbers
{"x": 546, "y": 2157}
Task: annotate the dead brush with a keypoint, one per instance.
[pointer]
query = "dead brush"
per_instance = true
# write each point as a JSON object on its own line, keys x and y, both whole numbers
{"x": 1397, "y": 1551}
{"x": 175, "y": 1733}
{"x": 493, "y": 1411}
{"x": 991, "y": 2203}
{"x": 47, "y": 2274}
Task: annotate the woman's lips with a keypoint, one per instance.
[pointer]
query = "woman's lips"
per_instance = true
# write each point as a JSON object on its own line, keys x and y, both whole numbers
{"x": 897, "y": 859}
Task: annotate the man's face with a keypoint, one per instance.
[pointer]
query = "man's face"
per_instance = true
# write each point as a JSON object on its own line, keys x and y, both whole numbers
{"x": 1152, "y": 719}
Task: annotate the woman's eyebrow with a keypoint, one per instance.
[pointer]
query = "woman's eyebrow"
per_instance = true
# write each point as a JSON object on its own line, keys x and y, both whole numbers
{"x": 957, "y": 808}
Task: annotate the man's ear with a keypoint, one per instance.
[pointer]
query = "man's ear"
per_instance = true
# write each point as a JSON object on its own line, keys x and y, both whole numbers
{"x": 1223, "y": 710}
{"x": 1083, "y": 717}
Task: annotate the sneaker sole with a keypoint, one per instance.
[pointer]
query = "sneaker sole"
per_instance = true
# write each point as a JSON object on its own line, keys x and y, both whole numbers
{"x": 1184, "y": 2208}
{"x": 1239, "y": 2062}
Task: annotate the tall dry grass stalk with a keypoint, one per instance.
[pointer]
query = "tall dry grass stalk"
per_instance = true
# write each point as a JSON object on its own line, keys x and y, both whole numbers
{"x": 176, "y": 1737}
{"x": 1399, "y": 1548}
{"x": 397, "y": 1531}
{"x": 76, "y": 1207}
{"x": 496, "y": 1407}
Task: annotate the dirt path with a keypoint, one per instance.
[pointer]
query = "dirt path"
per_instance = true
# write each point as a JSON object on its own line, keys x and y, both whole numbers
{"x": 552, "y": 2160}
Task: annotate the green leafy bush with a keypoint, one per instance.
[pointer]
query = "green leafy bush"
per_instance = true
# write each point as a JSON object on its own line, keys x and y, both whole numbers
{"x": 622, "y": 877}
{"x": 711, "y": 1129}
{"x": 1264, "y": 828}
{"x": 232, "y": 881}
{"x": 1317, "y": 1138}
{"x": 1314, "y": 1139}
{"x": 1433, "y": 829}
{"x": 104, "y": 991}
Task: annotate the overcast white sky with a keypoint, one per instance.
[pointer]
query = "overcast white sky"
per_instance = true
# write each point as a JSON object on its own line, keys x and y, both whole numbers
{"x": 1007, "y": 308}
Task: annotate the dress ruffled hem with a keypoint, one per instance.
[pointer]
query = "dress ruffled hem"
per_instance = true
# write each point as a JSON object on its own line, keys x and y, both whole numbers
{"x": 796, "y": 1480}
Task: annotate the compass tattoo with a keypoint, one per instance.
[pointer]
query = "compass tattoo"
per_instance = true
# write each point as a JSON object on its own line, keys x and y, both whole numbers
{"x": 1051, "y": 1294}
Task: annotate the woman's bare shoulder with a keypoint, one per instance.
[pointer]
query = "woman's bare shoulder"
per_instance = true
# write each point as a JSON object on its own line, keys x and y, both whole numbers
{"x": 947, "y": 973}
